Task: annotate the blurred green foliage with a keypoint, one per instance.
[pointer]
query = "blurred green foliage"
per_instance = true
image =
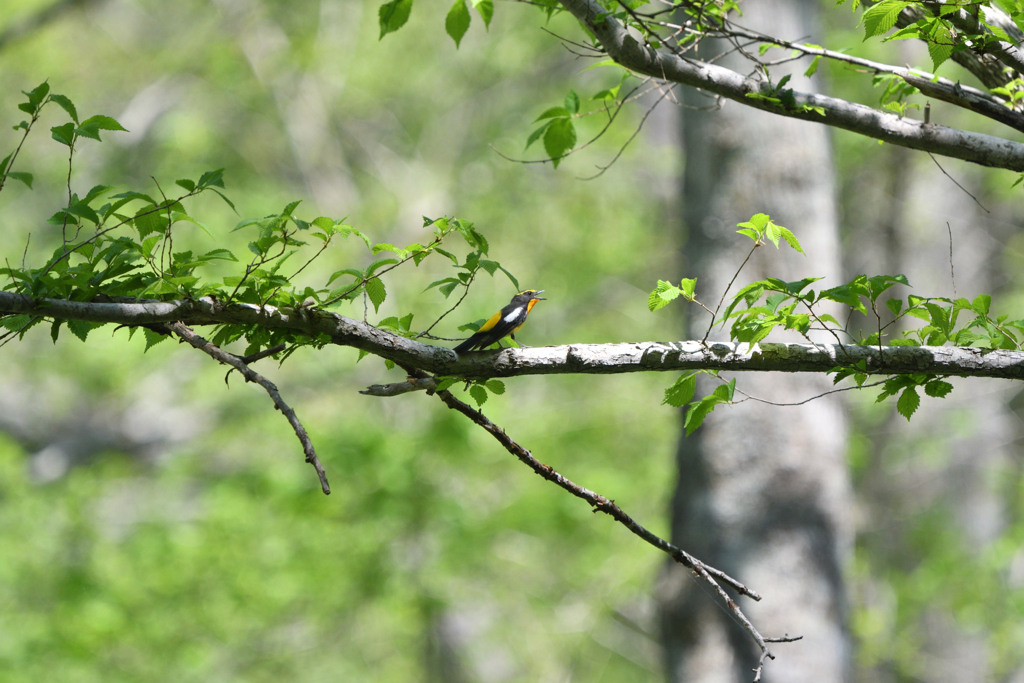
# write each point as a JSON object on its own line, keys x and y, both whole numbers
{"x": 217, "y": 558}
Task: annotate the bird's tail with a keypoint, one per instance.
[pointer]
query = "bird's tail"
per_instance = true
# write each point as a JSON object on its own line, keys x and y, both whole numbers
{"x": 466, "y": 345}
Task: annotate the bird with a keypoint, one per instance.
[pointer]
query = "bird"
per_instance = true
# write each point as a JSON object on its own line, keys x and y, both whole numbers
{"x": 504, "y": 323}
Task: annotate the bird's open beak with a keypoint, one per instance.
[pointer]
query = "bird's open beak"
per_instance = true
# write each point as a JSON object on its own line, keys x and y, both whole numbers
{"x": 539, "y": 298}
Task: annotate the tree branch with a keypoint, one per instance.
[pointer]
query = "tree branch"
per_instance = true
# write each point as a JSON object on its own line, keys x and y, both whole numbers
{"x": 601, "y": 504}
{"x": 985, "y": 150}
{"x": 594, "y": 359}
{"x": 251, "y": 375}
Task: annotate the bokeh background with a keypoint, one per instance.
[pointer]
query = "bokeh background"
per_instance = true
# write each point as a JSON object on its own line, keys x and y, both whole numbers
{"x": 156, "y": 524}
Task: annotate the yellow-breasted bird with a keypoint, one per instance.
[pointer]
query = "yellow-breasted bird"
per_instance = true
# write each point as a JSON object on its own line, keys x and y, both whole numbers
{"x": 504, "y": 323}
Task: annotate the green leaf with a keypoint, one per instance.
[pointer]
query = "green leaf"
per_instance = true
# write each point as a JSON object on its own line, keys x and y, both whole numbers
{"x": 511, "y": 277}
{"x": 681, "y": 391}
{"x": 981, "y": 304}
{"x": 65, "y": 134}
{"x": 218, "y": 254}
{"x": 153, "y": 338}
{"x": 375, "y": 290}
{"x": 535, "y": 135}
{"x": 68, "y": 106}
{"x": 185, "y": 183}
{"x": 457, "y": 21}
{"x": 880, "y": 18}
{"x": 572, "y": 102}
{"x": 393, "y": 15}
{"x": 212, "y": 179}
{"x": 559, "y": 139}
{"x": 940, "y": 45}
{"x": 446, "y": 382}
{"x": 486, "y": 10}
{"x": 696, "y": 413}
{"x": 479, "y": 395}
{"x": 554, "y": 113}
{"x": 15, "y": 322}
{"x": 495, "y": 386}
{"x": 91, "y": 127}
{"x": 908, "y": 402}
{"x": 663, "y": 293}
{"x": 938, "y": 388}
{"x": 22, "y": 176}
{"x": 813, "y": 68}
{"x": 35, "y": 98}
{"x": 81, "y": 328}
{"x": 791, "y": 239}
{"x": 372, "y": 268}
{"x": 55, "y": 330}
{"x": 147, "y": 220}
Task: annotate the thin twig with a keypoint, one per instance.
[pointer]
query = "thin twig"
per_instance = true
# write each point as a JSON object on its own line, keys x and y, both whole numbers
{"x": 251, "y": 375}
{"x": 601, "y": 504}
{"x": 807, "y": 400}
{"x": 726, "y": 291}
{"x": 958, "y": 184}
{"x": 951, "y": 275}
{"x": 632, "y": 137}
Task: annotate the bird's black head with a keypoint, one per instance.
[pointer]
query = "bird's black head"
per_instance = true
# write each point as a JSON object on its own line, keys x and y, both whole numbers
{"x": 528, "y": 295}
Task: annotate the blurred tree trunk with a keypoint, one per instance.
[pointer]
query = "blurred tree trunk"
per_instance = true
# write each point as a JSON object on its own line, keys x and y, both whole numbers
{"x": 763, "y": 491}
{"x": 954, "y": 460}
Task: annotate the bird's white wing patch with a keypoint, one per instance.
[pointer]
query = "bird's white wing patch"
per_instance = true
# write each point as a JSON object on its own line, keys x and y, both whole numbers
{"x": 513, "y": 315}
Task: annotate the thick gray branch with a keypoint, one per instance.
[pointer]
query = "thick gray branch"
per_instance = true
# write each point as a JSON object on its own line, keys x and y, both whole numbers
{"x": 549, "y": 360}
{"x": 985, "y": 150}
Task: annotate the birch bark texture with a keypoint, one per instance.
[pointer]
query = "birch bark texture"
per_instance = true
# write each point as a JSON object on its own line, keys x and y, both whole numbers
{"x": 763, "y": 492}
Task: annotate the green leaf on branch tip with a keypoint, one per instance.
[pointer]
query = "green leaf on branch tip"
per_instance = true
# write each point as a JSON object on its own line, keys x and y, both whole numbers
{"x": 572, "y": 102}
{"x": 486, "y": 10}
{"x": 881, "y": 17}
{"x": 940, "y": 45}
{"x": 68, "y": 106}
{"x": 185, "y": 183}
{"x": 791, "y": 239}
{"x": 681, "y": 391}
{"x": 375, "y": 290}
{"x": 559, "y": 139}
{"x": 908, "y": 402}
{"x": 535, "y": 135}
{"x": 22, "y": 176}
{"x": 663, "y": 293}
{"x": 91, "y": 127}
{"x": 479, "y": 395}
{"x": 511, "y": 277}
{"x": 813, "y": 68}
{"x": 65, "y": 134}
{"x": 212, "y": 179}
{"x": 457, "y": 21}
{"x": 393, "y": 15}
{"x": 699, "y": 410}
{"x": 554, "y": 113}
{"x": 35, "y": 98}
{"x": 495, "y": 386}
